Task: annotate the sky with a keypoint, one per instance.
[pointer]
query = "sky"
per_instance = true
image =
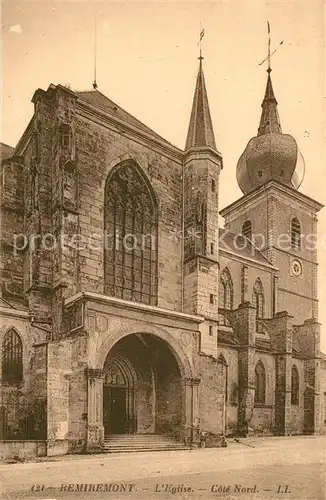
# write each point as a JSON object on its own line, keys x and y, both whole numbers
{"x": 147, "y": 62}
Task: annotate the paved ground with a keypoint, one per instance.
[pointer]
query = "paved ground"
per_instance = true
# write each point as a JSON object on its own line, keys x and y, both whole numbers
{"x": 274, "y": 468}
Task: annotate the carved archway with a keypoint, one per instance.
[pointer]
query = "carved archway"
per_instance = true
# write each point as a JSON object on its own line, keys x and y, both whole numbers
{"x": 187, "y": 370}
{"x": 142, "y": 388}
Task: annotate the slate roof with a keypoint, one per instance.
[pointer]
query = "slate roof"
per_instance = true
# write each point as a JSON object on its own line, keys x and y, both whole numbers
{"x": 98, "y": 100}
{"x": 200, "y": 132}
{"x": 5, "y": 151}
{"x": 241, "y": 246}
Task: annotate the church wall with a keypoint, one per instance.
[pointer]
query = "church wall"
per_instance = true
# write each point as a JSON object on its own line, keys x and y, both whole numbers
{"x": 168, "y": 404}
{"x": 77, "y": 381}
{"x": 231, "y": 357}
{"x": 271, "y": 217}
{"x": 58, "y": 407}
{"x": 323, "y": 396}
{"x": 263, "y": 414}
{"x": 295, "y": 294}
{"x": 38, "y": 163}
{"x": 99, "y": 150}
{"x": 211, "y": 394}
{"x": 299, "y": 307}
{"x": 145, "y": 404}
{"x": 297, "y": 411}
{"x": 256, "y": 213}
{"x": 12, "y": 218}
{"x": 235, "y": 267}
{"x": 33, "y": 359}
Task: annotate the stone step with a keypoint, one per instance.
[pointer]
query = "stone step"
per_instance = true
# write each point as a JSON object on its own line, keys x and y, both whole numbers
{"x": 147, "y": 449}
{"x": 139, "y": 438}
{"x": 121, "y": 443}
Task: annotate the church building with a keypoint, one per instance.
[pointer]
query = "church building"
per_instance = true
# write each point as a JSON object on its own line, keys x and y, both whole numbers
{"x": 128, "y": 316}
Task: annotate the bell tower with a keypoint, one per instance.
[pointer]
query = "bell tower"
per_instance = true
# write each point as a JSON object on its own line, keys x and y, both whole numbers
{"x": 283, "y": 221}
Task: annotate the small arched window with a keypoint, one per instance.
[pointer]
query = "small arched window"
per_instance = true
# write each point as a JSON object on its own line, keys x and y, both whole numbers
{"x": 260, "y": 383}
{"x": 226, "y": 290}
{"x": 247, "y": 229}
{"x": 258, "y": 299}
{"x": 65, "y": 135}
{"x": 12, "y": 358}
{"x": 295, "y": 234}
{"x": 294, "y": 386}
{"x": 70, "y": 185}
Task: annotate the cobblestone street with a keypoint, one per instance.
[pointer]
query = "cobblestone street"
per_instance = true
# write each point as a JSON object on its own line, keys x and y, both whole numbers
{"x": 266, "y": 468}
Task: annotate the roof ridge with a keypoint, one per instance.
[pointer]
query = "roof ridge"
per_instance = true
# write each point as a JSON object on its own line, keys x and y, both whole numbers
{"x": 138, "y": 122}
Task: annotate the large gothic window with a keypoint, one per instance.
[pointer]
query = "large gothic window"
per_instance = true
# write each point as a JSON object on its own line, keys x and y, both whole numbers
{"x": 226, "y": 290}
{"x": 260, "y": 383}
{"x": 131, "y": 236}
{"x": 294, "y": 386}
{"x": 12, "y": 358}
{"x": 295, "y": 233}
{"x": 258, "y": 299}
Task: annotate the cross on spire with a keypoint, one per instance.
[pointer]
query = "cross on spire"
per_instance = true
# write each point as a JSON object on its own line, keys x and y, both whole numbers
{"x": 201, "y": 36}
{"x": 269, "y": 53}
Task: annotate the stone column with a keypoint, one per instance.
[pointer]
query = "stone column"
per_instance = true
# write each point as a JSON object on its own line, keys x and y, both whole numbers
{"x": 275, "y": 290}
{"x": 95, "y": 429}
{"x": 191, "y": 411}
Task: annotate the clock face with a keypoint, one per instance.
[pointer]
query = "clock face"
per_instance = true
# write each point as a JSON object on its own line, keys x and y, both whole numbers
{"x": 296, "y": 268}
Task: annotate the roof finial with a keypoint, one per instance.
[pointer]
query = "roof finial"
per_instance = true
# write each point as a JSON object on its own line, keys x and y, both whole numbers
{"x": 269, "y": 54}
{"x": 201, "y": 36}
{"x": 95, "y": 54}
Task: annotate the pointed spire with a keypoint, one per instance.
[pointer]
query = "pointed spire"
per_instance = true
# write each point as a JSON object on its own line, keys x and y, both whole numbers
{"x": 200, "y": 132}
{"x": 270, "y": 120}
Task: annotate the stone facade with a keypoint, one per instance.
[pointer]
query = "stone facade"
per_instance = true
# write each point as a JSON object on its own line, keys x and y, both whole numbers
{"x": 183, "y": 359}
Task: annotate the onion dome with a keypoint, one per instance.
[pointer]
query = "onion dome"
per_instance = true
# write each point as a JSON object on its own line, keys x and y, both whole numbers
{"x": 271, "y": 155}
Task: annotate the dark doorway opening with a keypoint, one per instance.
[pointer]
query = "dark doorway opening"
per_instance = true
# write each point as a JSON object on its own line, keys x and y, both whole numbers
{"x": 115, "y": 410}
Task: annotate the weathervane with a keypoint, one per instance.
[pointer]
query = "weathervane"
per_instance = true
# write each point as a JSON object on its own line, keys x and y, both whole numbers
{"x": 201, "y": 36}
{"x": 95, "y": 54}
{"x": 268, "y": 58}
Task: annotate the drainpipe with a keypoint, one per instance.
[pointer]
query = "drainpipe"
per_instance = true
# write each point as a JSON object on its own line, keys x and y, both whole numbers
{"x": 225, "y": 397}
{"x": 182, "y": 239}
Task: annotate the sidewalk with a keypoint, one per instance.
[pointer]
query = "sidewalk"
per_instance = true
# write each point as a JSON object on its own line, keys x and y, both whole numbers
{"x": 233, "y": 443}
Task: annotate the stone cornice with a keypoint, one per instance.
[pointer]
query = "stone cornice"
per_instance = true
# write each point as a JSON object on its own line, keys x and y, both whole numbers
{"x": 136, "y": 306}
{"x": 6, "y": 311}
{"x": 204, "y": 152}
{"x": 102, "y": 118}
{"x": 276, "y": 188}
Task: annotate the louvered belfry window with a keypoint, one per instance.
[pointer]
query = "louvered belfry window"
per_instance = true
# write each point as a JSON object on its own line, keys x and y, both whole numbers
{"x": 131, "y": 236}
{"x": 247, "y": 229}
{"x": 295, "y": 234}
{"x": 12, "y": 358}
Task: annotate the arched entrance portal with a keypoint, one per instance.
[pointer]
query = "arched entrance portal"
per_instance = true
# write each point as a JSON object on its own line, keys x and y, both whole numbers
{"x": 119, "y": 387}
{"x": 142, "y": 390}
